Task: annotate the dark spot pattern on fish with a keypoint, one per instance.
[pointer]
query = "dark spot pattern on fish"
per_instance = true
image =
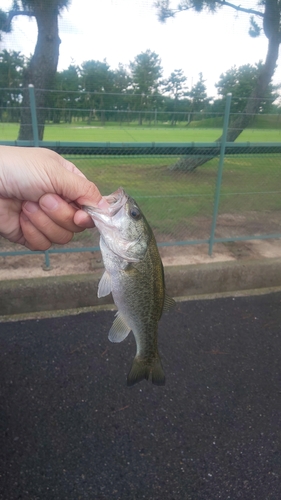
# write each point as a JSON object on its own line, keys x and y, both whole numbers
{"x": 136, "y": 276}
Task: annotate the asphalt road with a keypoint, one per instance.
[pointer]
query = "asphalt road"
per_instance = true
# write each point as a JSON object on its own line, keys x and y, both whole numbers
{"x": 71, "y": 429}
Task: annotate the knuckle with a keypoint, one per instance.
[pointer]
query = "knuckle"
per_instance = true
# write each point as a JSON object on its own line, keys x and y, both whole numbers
{"x": 38, "y": 245}
{"x": 63, "y": 238}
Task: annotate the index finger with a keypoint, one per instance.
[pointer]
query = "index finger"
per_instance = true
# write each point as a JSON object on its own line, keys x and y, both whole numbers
{"x": 60, "y": 212}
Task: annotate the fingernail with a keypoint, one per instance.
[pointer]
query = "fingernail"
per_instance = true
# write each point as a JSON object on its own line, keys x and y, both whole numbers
{"x": 49, "y": 202}
{"x": 103, "y": 204}
{"x": 31, "y": 207}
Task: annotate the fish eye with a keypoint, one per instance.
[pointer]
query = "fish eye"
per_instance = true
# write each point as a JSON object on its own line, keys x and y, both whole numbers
{"x": 135, "y": 213}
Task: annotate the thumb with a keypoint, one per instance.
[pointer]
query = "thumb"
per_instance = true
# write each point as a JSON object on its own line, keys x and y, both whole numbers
{"x": 75, "y": 187}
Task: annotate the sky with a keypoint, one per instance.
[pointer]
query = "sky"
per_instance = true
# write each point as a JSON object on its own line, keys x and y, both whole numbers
{"x": 118, "y": 30}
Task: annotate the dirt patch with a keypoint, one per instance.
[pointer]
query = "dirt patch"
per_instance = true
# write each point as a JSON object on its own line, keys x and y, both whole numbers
{"x": 33, "y": 266}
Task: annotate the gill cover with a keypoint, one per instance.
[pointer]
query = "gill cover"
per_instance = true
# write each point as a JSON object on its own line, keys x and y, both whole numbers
{"x": 122, "y": 226}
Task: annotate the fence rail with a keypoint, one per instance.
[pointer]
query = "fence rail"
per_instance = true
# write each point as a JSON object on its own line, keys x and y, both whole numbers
{"x": 233, "y": 196}
{"x": 152, "y": 149}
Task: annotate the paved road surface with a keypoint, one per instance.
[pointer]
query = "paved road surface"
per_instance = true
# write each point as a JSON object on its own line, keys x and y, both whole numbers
{"x": 71, "y": 429}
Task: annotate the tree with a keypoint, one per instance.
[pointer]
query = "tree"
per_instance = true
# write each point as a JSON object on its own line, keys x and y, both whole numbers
{"x": 122, "y": 88}
{"x": 11, "y": 69}
{"x": 240, "y": 82}
{"x": 96, "y": 82}
{"x": 64, "y": 98}
{"x": 198, "y": 95}
{"x": 175, "y": 86}
{"x": 122, "y": 80}
{"x": 146, "y": 72}
{"x": 42, "y": 67}
{"x": 267, "y": 17}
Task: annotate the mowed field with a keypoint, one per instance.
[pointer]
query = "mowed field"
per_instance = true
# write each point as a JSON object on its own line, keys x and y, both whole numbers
{"x": 134, "y": 133}
{"x": 178, "y": 204}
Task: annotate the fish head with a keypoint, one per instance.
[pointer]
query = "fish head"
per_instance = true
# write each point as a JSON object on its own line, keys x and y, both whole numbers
{"x": 122, "y": 225}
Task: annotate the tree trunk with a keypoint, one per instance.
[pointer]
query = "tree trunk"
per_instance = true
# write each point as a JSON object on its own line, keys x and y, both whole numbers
{"x": 258, "y": 92}
{"x": 41, "y": 70}
{"x": 271, "y": 29}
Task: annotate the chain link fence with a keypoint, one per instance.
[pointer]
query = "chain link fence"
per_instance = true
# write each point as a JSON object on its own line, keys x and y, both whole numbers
{"x": 180, "y": 204}
{"x": 250, "y": 197}
{"x": 190, "y": 191}
{"x": 91, "y": 116}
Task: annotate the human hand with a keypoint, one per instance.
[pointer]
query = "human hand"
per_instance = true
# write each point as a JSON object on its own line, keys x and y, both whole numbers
{"x": 39, "y": 194}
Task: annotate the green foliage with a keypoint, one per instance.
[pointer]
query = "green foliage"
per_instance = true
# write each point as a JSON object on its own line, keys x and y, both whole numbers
{"x": 122, "y": 80}
{"x": 240, "y": 83}
{"x": 68, "y": 79}
{"x": 175, "y": 85}
{"x": 5, "y": 26}
{"x": 96, "y": 82}
{"x": 165, "y": 10}
{"x": 63, "y": 100}
{"x": 255, "y": 29}
{"x": 198, "y": 95}
{"x": 11, "y": 68}
{"x": 146, "y": 72}
{"x": 96, "y": 94}
{"x": 96, "y": 76}
{"x": 40, "y": 4}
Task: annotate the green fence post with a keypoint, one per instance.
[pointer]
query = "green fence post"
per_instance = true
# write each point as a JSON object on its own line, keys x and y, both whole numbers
{"x": 47, "y": 266}
{"x": 33, "y": 115}
{"x": 220, "y": 169}
{"x": 34, "y": 123}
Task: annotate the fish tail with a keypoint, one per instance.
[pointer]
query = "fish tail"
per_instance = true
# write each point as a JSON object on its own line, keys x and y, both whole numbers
{"x": 142, "y": 368}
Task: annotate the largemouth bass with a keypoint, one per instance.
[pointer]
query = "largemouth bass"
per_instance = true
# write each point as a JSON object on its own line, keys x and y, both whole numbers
{"x": 135, "y": 277}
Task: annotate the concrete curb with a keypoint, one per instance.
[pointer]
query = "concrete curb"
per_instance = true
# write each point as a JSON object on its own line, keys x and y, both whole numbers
{"x": 77, "y": 291}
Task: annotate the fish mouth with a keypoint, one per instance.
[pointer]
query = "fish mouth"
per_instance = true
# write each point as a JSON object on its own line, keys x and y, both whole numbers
{"x": 111, "y": 205}
{"x": 117, "y": 199}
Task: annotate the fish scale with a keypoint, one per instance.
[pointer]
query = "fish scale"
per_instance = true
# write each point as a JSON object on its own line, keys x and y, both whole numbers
{"x": 134, "y": 275}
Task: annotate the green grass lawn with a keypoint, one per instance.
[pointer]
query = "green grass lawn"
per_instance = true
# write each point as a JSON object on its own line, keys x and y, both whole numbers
{"x": 79, "y": 133}
{"x": 174, "y": 200}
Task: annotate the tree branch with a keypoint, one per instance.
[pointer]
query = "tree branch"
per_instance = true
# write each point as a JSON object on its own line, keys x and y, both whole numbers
{"x": 241, "y": 9}
{"x": 14, "y": 13}
{"x": 165, "y": 11}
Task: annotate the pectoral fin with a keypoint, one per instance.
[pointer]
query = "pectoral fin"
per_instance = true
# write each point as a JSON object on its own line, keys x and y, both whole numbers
{"x": 119, "y": 330}
{"x": 104, "y": 287}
